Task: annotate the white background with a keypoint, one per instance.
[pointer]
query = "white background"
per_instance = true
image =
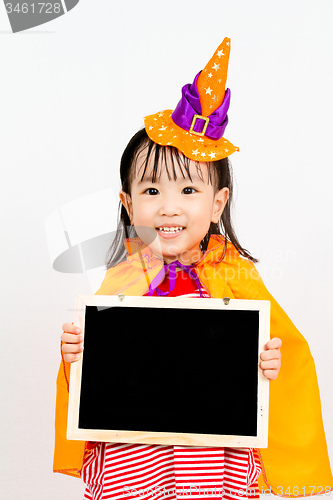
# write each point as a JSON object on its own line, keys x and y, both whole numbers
{"x": 73, "y": 92}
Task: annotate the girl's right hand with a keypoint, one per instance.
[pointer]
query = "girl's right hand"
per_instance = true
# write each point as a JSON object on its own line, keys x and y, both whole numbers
{"x": 72, "y": 342}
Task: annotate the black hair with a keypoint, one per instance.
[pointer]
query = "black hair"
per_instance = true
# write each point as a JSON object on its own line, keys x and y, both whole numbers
{"x": 220, "y": 176}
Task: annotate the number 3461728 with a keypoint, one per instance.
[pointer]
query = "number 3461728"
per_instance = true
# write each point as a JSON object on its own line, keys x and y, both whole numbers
{"x": 296, "y": 491}
{"x": 34, "y": 8}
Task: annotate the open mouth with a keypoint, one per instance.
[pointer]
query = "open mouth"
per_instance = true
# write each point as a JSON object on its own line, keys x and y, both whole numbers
{"x": 170, "y": 230}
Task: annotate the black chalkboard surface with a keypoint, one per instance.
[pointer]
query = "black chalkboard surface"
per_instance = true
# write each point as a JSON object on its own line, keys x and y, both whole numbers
{"x": 154, "y": 370}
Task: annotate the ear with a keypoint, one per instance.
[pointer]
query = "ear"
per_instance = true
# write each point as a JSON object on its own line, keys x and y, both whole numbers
{"x": 220, "y": 201}
{"x": 127, "y": 202}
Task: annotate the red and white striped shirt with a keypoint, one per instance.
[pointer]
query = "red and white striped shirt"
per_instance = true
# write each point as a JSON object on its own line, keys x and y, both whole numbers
{"x": 135, "y": 471}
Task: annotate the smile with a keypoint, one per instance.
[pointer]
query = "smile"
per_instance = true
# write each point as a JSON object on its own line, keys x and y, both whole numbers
{"x": 172, "y": 230}
{"x": 167, "y": 232}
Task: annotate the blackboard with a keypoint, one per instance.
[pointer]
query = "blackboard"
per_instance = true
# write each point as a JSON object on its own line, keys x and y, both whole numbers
{"x": 170, "y": 371}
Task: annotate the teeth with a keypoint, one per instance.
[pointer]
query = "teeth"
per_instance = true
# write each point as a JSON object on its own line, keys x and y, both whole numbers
{"x": 170, "y": 229}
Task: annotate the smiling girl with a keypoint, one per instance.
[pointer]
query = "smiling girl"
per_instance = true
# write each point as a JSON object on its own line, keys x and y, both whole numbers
{"x": 175, "y": 237}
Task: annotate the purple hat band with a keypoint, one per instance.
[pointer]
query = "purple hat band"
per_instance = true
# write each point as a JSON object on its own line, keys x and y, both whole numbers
{"x": 189, "y": 105}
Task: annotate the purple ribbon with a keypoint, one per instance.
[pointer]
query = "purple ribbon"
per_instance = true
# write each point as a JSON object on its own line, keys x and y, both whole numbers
{"x": 172, "y": 278}
{"x": 189, "y": 105}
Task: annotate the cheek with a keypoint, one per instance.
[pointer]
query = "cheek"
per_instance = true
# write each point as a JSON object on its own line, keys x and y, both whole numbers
{"x": 202, "y": 213}
{"x": 201, "y": 219}
{"x": 142, "y": 213}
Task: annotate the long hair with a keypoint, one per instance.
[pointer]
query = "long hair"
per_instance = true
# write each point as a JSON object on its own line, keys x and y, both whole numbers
{"x": 220, "y": 176}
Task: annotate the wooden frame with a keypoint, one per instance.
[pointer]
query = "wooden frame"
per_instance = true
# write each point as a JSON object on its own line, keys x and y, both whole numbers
{"x": 98, "y": 302}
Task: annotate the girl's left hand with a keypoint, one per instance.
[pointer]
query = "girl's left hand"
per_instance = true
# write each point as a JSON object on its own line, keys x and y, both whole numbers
{"x": 271, "y": 359}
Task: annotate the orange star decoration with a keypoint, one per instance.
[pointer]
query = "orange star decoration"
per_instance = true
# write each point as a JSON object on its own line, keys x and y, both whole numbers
{"x": 197, "y": 124}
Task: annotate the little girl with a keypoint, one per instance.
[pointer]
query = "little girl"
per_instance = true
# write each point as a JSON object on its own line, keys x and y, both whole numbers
{"x": 175, "y": 200}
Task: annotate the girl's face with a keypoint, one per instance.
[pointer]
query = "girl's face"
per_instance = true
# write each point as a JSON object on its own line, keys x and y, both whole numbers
{"x": 180, "y": 210}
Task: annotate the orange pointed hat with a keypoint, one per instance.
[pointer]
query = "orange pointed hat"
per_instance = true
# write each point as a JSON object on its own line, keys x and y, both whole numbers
{"x": 197, "y": 125}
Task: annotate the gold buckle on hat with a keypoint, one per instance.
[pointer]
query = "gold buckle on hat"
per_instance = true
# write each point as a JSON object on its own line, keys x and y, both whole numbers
{"x": 195, "y": 117}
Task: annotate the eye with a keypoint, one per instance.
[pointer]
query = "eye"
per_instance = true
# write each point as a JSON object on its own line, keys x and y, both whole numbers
{"x": 151, "y": 191}
{"x": 189, "y": 190}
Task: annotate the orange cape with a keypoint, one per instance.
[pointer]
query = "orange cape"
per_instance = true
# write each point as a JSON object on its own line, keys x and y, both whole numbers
{"x": 296, "y": 460}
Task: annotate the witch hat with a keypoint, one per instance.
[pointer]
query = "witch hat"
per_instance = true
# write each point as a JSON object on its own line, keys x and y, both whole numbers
{"x": 197, "y": 125}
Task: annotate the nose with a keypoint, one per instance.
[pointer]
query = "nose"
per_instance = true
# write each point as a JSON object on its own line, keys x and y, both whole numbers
{"x": 170, "y": 206}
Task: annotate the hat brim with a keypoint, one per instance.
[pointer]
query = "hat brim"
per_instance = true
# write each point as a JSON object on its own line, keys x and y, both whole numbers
{"x": 161, "y": 129}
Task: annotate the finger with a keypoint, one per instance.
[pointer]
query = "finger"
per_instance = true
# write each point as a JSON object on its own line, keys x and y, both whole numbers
{"x": 270, "y": 374}
{"x": 274, "y": 343}
{"x": 271, "y": 354}
{"x": 273, "y": 364}
{"x": 72, "y": 348}
{"x": 70, "y": 328}
{"x": 70, "y": 358}
{"x": 71, "y": 338}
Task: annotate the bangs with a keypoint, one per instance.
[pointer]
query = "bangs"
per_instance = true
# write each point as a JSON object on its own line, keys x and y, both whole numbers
{"x": 152, "y": 159}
